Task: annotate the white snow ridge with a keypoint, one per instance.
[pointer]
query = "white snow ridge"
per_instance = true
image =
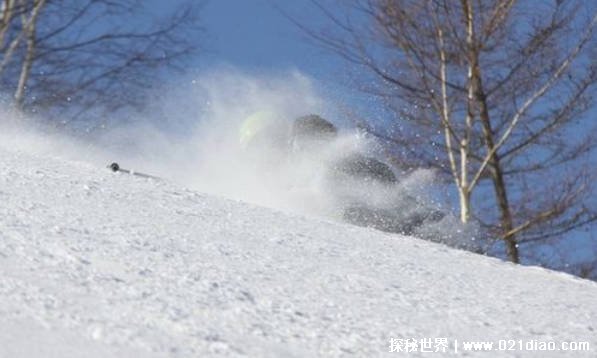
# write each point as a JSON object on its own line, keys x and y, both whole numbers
{"x": 101, "y": 264}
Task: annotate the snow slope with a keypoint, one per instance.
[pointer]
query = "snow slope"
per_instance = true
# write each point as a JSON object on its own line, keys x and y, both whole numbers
{"x": 99, "y": 264}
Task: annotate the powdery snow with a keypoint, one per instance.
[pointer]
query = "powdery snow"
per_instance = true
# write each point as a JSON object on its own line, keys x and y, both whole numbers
{"x": 101, "y": 264}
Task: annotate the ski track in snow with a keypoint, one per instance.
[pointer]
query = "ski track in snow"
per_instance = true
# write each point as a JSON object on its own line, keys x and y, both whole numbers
{"x": 96, "y": 264}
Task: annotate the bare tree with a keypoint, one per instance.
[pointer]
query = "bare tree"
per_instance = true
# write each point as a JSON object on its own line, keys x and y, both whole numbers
{"x": 71, "y": 58}
{"x": 494, "y": 94}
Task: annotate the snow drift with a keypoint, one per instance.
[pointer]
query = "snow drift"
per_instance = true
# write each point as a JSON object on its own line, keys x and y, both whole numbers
{"x": 95, "y": 264}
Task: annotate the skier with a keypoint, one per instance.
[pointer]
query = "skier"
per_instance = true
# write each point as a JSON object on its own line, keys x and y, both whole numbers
{"x": 354, "y": 180}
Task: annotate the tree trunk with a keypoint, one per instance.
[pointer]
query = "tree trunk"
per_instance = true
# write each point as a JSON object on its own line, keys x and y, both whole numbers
{"x": 476, "y": 96}
{"x": 6, "y": 18}
{"x": 465, "y": 204}
{"x": 465, "y": 189}
{"x": 499, "y": 185}
{"x": 30, "y": 29}
{"x": 19, "y": 96}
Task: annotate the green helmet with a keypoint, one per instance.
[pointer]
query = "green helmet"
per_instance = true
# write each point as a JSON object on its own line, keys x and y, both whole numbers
{"x": 265, "y": 126}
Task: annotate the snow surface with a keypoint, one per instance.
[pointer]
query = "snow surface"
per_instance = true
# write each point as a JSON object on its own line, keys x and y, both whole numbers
{"x": 101, "y": 264}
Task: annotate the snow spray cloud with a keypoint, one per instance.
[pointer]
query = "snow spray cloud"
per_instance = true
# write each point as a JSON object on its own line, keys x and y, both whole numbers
{"x": 196, "y": 142}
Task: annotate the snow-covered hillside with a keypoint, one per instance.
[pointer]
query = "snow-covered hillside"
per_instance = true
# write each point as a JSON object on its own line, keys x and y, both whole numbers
{"x": 100, "y": 264}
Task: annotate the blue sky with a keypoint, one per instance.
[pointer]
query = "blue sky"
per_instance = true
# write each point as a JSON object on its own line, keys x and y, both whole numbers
{"x": 253, "y": 35}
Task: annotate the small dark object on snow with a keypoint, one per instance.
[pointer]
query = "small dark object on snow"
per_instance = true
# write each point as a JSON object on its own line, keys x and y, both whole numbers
{"x": 116, "y": 168}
